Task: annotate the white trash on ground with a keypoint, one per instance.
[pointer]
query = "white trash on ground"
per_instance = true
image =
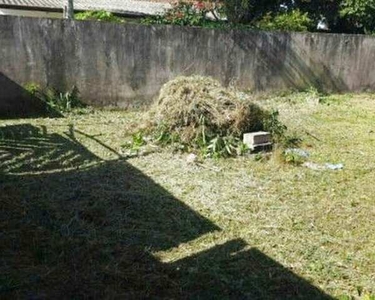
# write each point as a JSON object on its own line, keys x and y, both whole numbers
{"x": 327, "y": 166}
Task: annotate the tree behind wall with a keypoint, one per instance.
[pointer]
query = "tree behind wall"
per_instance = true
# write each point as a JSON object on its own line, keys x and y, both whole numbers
{"x": 324, "y": 9}
{"x": 246, "y": 11}
{"x": 351, "y": 16}
{"x": 360, "y": 14}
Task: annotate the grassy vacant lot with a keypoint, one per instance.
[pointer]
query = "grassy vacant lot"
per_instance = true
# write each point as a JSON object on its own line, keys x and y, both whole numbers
{"x": 79, "y": 220}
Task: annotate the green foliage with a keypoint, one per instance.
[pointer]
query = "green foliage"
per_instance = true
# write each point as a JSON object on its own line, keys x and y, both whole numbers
{"x": 273, "y": 125}
{"x": 247, "y": 11}
{"x": 317, "y": 9}
{"x": 360, "y": 13}
{"x": 163, "y": 137}
{"x": 56, "y": 101}
{"x": 218, "y": 146}
{"x": 350, "y": 16}
{"x": 288, "y": 21}
{"x": 137, "y": 141}
{"x": 208, "y": 146}
{"x": 226, "y": 146}
{"x": 183, "y": 14}
{"x": 191, "y": 14}
{"x": 237, "y": 10}
{"x": 32, "y": 88}
{"x": 100, "y": 15}
{"x": 294, "y": 157}
{"x": 211, "y": 145}
{"x": 278, "y": 130}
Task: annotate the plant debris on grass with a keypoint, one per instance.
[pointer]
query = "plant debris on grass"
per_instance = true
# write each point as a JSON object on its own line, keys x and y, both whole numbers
{"x": 79, "y": 221}
{"x": 188, "y": 105}
{"x": 199, "y": 113}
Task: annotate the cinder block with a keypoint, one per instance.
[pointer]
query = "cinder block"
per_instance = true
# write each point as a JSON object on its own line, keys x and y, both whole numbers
{"x": 257, "y": 140}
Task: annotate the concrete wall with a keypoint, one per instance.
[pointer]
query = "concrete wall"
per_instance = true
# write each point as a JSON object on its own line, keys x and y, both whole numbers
{"x": 125, "y": 65}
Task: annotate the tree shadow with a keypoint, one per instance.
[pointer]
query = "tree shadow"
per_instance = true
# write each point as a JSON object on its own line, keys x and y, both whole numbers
{"x": 76, "y": 227}
{"x": 16, "y": 102}
{"x": 279, "y": 59}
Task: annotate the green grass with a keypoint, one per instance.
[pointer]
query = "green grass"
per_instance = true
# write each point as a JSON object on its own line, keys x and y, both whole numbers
{"x": 79, "y": 220}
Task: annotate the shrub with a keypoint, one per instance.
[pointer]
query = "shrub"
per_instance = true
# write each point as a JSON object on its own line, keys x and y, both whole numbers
{"x": 289, "y": 21}
{"x": 272, "y": 124}
{"x": 56, "y": 101}
{"x": 360, "y": 13}
{"x": 184, "y": 14}
{"x": 246, "y": 11}
{"x": 99, "y": 16}
{"x": 237, "y": 10}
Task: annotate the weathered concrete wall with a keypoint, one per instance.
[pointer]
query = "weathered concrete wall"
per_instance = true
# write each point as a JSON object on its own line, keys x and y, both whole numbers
{"x": 125, "y": 65}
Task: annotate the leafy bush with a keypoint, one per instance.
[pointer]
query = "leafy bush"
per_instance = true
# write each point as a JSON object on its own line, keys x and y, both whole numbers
{"x": 100, "y": 15}
{"x": 246, "y": 11}
{"x": 272, "y": 124}
{"x": 360, "y": 13}
{"x": 289, "y": 21}
{"x": 188, "y": 14}
{"x": 237, "y": 10}
{"x": 184, "y": 14}
{"x": 56, "y": 101}
{"x": 349, "y": 16}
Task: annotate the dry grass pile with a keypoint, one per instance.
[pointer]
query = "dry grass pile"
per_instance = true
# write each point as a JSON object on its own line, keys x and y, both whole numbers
{"x": 192, "y": 106}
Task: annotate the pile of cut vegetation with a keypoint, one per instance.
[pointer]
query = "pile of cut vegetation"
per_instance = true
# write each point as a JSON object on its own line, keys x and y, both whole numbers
{"x": 199, "y": 112}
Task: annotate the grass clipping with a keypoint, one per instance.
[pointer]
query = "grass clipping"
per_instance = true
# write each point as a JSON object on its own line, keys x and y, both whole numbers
{"x": 199, "y": 108}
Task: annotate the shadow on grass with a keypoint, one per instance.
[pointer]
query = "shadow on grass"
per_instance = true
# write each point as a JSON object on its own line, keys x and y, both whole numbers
{"x": 76, "y": 227}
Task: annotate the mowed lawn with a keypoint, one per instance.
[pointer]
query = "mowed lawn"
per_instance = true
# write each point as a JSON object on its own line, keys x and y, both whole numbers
{"x": 81, "y": 220}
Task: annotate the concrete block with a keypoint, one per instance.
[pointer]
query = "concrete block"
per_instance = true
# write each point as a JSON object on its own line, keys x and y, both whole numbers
{"x": 257, "y": 140}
